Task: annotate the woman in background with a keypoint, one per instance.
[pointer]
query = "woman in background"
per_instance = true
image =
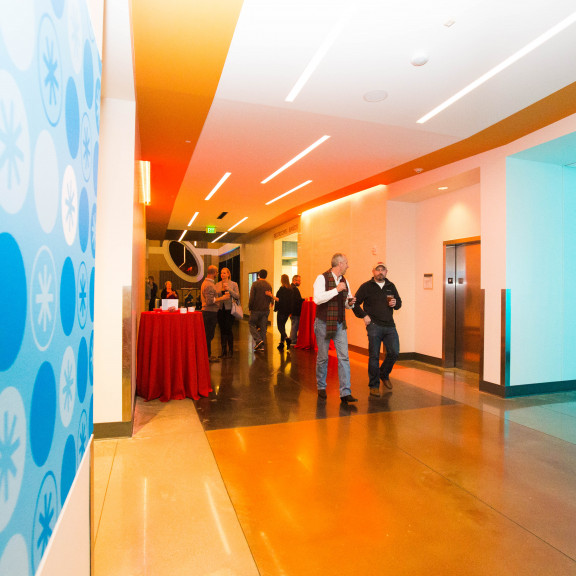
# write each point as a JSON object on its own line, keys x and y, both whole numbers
{"x": 225, "y": 318}
{"x": 168, "y": 293}
{"x": 283, "y": 307}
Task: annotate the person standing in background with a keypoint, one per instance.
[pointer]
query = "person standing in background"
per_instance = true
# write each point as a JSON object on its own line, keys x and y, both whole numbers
{"x": 259, "y": 306}
{"x": 225, "y": 318}
{"x": 296, "y": 310}
{"x": 152, "y": 291}
{"x": 210, "y": 306}
{"x": 283, "y": 307}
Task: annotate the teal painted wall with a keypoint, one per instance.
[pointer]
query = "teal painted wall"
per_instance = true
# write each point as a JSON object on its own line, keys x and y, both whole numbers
{"x": 569, "y": 257}
{"x": 540, "y": 272}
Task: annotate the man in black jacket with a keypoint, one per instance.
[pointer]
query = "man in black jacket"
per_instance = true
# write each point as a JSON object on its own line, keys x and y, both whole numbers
{"x": 296, "y": 310}
{"x": 376, "y": 301}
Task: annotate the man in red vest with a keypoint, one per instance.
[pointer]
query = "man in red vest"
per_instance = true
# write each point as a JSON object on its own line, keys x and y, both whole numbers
{"x": 332, "y": 296}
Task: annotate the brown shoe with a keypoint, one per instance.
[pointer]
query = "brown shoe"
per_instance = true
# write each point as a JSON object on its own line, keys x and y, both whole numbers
{"x": 374, "y": 391}
{"x": 348, "y": 399}
{"x": 387, "y": 383}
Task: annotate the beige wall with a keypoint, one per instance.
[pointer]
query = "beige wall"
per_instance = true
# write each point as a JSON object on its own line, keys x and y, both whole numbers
{"x": 355, "y": 226}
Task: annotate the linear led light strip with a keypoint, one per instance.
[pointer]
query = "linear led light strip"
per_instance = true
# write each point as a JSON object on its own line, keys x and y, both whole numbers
{"x": 289, "y": 192}
{"x": 317, "y": 58}
{"x": 502, "y": 66}
{"x": 231, "y": 228}
{"x": 189, "y": 224}
{"x": 296, "y": 158}
{"x": 222, "y": 180}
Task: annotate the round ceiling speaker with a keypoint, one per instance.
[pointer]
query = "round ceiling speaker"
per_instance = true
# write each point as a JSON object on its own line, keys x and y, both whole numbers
{"x": 376, "y": 96}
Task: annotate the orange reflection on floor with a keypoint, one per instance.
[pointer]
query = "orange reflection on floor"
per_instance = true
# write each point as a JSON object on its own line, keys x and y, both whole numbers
{"x": 397, "y": 493}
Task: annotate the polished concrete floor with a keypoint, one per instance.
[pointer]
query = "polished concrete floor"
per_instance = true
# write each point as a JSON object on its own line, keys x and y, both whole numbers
{"x": 433, "y": 477}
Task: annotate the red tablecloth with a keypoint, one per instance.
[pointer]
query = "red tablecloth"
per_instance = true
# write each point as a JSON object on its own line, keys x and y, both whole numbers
{"x": 306, "y": 336}
{"x": 172, "y": 356}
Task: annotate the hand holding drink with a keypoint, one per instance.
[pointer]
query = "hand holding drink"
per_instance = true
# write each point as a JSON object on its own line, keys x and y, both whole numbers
{"x": 391, "y": 300}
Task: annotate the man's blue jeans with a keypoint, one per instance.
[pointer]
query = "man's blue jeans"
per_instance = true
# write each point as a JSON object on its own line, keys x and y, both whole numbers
{"x": 376, "y": 336}
{"x": 341, "y": 343}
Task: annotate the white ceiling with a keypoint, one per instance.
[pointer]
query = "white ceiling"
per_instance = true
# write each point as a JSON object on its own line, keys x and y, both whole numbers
{"x": 251, "y": 131}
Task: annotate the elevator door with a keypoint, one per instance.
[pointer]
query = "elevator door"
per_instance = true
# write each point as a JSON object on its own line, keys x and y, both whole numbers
{"x": 463, "y": 307}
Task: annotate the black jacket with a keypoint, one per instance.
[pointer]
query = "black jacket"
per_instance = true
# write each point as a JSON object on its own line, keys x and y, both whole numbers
{"x": 371, "y": 300}
{"x": 284, "y": 304}
{"x": 296, "y": 301}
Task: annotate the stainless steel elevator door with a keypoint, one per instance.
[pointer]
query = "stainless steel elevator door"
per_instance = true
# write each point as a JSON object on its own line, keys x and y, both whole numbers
{"x": 463, "y": 307}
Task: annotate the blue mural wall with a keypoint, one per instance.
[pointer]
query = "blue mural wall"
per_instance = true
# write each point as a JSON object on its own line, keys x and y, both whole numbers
{"x": 50, "y": 74}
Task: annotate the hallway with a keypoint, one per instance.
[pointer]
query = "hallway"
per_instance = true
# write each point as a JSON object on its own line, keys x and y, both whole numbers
{"x": 263, "y": 478}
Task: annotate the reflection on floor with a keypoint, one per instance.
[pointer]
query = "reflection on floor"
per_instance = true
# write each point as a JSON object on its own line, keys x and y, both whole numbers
{"x": 263, "y": 478}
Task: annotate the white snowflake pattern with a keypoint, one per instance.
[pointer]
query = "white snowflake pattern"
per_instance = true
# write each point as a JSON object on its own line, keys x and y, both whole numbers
{"x": 45, "y": 298}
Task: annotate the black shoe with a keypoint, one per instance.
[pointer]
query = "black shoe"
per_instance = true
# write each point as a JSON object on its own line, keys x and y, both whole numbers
{"x": 387, "y": 383}
{"x": 288, "y": 342}
{"x": 322, "y": 394}
{"x": 213, "y": 360}
{"x": 347, "y": 399}
{"x": 374, "y": 391}
{"x": 281, "y": 346}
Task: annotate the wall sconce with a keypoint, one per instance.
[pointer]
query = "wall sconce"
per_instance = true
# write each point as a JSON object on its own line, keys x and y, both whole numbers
{"x": 145, "y": 182}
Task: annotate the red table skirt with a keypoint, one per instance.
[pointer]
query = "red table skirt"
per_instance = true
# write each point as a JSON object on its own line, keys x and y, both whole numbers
{"x": 172, "y": 356}
{"x": 306, "y": 336}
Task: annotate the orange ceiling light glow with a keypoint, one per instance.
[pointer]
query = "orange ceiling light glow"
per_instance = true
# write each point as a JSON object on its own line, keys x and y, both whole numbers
{"x": 222, "y": 180}
{"x": 296, "y": 158}
{"x": 289, "y": 192}
{"x": 144, "y": 182}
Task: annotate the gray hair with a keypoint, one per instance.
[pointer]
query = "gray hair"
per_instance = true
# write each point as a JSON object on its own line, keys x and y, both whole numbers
{"x": 336, "y": 259}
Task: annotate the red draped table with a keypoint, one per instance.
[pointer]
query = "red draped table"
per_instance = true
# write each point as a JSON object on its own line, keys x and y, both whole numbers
{"x": 306, "y": 336}
{"x": 172, "y": 356}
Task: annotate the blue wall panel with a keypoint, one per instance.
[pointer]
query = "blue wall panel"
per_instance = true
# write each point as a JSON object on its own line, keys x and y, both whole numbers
{"x": 49, "y": 119}
{"x": 569, "y": 278}
{"x": 534, "y": 268}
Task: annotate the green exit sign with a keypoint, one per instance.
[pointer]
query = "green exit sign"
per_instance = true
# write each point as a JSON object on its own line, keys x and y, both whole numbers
{"x": 210, "y": 230}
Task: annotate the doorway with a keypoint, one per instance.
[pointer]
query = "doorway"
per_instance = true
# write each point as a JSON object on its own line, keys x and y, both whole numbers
{"x": 463, "y": 303}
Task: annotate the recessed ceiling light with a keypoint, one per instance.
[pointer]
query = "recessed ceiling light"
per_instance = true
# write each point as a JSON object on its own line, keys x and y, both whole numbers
{"x": 442, "y": 187}
{"x": 222, "y": 180}
{"x": 216, "y": 239}
{"x": 238, "y": 223}
{"x": 289, "y": 192}
{"x": 502, "y": 66}
{"x": 375, "y": 96}
{"x": 188, "y": 141}
{"x": 193, "y": 218}
{"x": 418, "y": 170}
{"x": 296, "y": 158}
